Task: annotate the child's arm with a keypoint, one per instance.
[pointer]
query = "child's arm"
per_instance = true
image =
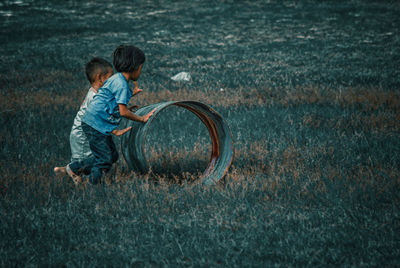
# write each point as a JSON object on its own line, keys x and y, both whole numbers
{"x": 125, "y": 112}
{"x": 133, "y": 108}
{"x": 119, "y": 132}
{"x": 137, "y": 90}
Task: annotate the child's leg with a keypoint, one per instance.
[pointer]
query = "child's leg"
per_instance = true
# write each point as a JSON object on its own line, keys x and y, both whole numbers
{"x": 114, "y": 152}
{"x": 111, "y": 173}
{"x": 84, "y": 166}
{"x": 76, "y": 178}
{"x": 76, "y": 168}
{"x": 103, "y": 150}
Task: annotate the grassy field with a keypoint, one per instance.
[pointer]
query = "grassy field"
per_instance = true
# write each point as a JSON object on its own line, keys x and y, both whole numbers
{"x": 310, "y": 90}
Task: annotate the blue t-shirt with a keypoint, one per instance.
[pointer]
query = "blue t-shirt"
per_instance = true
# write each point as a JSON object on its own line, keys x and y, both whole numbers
{"x": 102, "y": 113}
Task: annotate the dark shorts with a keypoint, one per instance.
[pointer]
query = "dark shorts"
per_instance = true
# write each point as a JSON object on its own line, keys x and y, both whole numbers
{"x": 104, "y": 155}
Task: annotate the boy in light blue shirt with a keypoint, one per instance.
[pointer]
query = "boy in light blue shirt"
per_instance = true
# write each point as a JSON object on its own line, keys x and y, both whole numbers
{"x": 104, "y": 113}
{"x": 97, "y": 71}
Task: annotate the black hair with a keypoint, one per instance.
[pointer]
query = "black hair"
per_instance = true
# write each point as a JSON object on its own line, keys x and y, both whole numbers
{"x": 128, "y": 58}
{"x": 97, "y": 65}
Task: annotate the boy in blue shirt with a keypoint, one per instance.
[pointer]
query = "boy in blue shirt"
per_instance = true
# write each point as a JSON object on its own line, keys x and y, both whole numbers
{"x": 97, "y": 71}
{"x": 103, "y": 114}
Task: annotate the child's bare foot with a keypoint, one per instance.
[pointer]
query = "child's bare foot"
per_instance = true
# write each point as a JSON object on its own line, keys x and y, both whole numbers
{"x": 76, "y": 178}
{"x": 60, "y": 170}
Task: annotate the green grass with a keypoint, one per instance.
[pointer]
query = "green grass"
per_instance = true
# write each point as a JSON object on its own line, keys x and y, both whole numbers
{"x": 311, "y": 94}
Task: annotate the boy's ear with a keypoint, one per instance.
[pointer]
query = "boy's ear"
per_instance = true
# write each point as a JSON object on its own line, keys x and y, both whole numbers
{"x": 98, "y": 77}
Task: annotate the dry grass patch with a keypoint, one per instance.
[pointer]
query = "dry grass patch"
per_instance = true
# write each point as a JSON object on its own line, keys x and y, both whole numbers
{"x": 364, "y": 98}
{"x": 381, "y": 121}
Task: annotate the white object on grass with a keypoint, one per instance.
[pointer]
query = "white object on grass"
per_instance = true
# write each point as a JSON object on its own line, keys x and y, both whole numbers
{"x": 182, "y": 76}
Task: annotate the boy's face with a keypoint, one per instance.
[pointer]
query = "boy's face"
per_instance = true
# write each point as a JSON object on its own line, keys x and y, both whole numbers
{"x": 135, "y": 74}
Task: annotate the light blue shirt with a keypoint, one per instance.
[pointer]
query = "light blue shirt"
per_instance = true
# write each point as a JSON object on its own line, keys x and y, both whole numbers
{"x": 102, "y": 113}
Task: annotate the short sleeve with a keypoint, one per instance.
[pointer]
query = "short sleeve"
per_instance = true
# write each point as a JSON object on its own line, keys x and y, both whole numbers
{"x": 123, "y": 95}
